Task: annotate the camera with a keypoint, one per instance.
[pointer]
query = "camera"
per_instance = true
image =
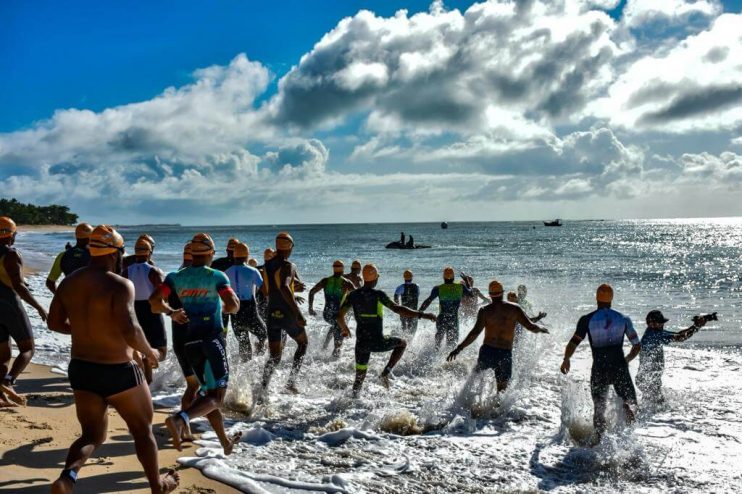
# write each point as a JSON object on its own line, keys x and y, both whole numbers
{"x": 706, "y": 317}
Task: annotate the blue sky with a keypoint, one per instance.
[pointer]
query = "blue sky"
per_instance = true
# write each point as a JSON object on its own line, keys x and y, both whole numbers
{"x": 464, "y": 110}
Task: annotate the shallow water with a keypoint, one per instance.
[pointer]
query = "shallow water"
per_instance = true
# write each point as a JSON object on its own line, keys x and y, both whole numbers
{"x": 440, "y": 430}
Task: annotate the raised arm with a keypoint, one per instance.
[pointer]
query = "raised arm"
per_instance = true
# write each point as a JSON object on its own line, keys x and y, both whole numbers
{"x": 407, "y": 312}
{"x": 470, "y": 338}
{"x": 688, "y": 332}
{"x": 13, "y": 265}
{"x": 524, "y": 321}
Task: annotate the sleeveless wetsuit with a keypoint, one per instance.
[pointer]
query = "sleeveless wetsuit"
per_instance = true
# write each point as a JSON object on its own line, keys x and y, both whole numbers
{"x": 198, "y": 289}
{"x": 449, "y": 300}
{"x": 368, "y": 309}
{"x": 606, "y": 329}
{"x": 246, "y": 281}
{"x": 14, "y": 321}
{"x": 152, "y": 324}
{"x": 333, "y": 298}
{"x": 280, "y": 315}
{"x": 409, "y": 296}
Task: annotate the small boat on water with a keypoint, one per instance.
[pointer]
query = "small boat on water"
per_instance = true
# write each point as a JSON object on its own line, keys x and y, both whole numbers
{"x": 556, "y": 222}
{"x": 399, "y": 245}
{"x": 444, "y": 225}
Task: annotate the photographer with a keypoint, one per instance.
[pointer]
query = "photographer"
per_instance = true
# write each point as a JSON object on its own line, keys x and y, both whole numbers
{"x": 652, "y": 356}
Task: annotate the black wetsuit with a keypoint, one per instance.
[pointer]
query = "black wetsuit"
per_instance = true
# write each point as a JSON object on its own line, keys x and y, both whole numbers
{"x": 409, "y": 296}
{"x": 222, "y": 263}
{"x": 281, "y": 316}
{"x": 14, "y": 321}
{"x": 73, "y": 259}
{"x": 367, "y": 304}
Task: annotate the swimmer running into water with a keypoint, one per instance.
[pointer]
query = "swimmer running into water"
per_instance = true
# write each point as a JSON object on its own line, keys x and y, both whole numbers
{"x": 335, "y": 288}
{"x": 367, "y": 303}
{"x": 95, "y": 306}
{"x": 498, "y": 320}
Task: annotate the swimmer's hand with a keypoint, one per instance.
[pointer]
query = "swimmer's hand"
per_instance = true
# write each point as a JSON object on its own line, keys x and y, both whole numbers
{"x": 42, "y": 313}
{"x": 452, "y": 356}
{"x": 345, "y": 332}
{"x": 153, "y": 358}
{"x": 299, "y": 286}
{"x": 312, "y": 312}
{"x": 299, "y": 299}
{"x": 428, "y": 316}
{"x": 179, "y": 316}
{"x": 565, "y": 366}
{"x": 543, "y": 330}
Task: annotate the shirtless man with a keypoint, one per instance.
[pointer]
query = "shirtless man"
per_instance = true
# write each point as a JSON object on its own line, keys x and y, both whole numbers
{"x": 205, "y": 293}
{"x": 96, "y": 307}
{"x": 279, "y": 284}
{"x": 14, "y": 321}
{"x": 355, "y": 274}
{"x": 498, "y": 320}
{"x": 145, "y": 276}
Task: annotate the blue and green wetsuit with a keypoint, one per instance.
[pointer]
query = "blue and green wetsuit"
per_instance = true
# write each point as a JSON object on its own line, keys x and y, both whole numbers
{"x": 449, "y": 295}
{"x": 198, "y": 288}
{"x": 333, "y": 291}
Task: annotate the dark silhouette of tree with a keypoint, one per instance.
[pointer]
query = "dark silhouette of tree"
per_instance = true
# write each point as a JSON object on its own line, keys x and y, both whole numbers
{"x": 30, "y": 214}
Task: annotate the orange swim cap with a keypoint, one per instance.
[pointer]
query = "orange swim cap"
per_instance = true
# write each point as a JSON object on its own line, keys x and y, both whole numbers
{"x": 356, "y": 264}
{"x": 604, "y": 294}
{"x": 448, "y": 273}
{"x": 512, "y": 297}
{"x": 241, "y": 250}
{"x": 407, "y": 275}
{"x": 149, "y": 239}
{"x": 284, "y": 241}
{"x": 370, "y": 273}
{"x": 252, "y": 262}
{"x": 105, "y": 240}
{"x": 142, "y": 246}
{"x": 187, "y": 254}
{"x": 202, "y": 245}
{"x": 268, "y": 254}
{"x": 338, "y": 266}
{"x": 232, "y": 243}
{"x": 83, "y": 230}
{"x": 495, "y": 288}
{"x": 7, "y": 227}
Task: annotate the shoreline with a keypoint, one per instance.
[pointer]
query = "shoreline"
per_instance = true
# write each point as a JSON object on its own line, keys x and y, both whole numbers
{"x": 35, "y": 438}
{"x": 45, "y": 228}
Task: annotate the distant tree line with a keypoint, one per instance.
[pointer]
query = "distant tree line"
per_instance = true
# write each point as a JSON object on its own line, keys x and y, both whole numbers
{"x": 30, "y": 214}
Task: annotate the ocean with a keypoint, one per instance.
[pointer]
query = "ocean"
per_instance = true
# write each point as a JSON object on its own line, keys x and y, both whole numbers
{"x": 437, "y": 430}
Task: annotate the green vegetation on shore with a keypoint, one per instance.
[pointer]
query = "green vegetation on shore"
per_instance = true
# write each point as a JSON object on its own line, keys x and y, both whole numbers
{"x": 30, "y": 214}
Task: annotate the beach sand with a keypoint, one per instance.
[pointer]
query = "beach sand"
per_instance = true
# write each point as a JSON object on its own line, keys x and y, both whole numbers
{"x": 34, "y": 442}
{"x": 45, "y": 228}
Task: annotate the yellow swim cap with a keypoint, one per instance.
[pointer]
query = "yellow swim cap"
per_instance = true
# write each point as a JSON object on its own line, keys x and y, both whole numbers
{"x": 241, "y": 250}
{"x": 495, "y": 288}
{"x": 83, "y": 231}
{"x": 448, "y": 273}
{"x": 407, "y": 275}
{"x": 253, "y": 262}
{"x": 187, "y": 254}
{"x": 268, "y": 254}
{"x": 604, "y": 294}
{"x": 284, "y": 241}
{"x": 512, "y": 297}
{"x": 356, "y": 264}
{"x": 142, "y": 246}
{"x": 232, "y": 243}
{"x": 105, "y": 240}
{"x": 202, "y": 245}
{"x": 7, "y": 227}
{"x": 370, "y": 273}
{"x": 338, "y": 266}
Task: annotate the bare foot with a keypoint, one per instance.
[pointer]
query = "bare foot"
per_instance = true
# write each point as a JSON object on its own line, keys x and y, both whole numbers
{"x": 385, "y": 381}
{"x": 233, "y": 439}
{"x": 291, "y": 388}
{"x": 4, "y": 403}
{"x": 13, "y": 396}
{"x": 169, "y": 481}
{"x": 186, "y": 435}
{"x": 175, "y": 427}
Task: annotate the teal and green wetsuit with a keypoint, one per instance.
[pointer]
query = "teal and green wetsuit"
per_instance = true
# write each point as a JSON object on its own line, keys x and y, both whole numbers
{"x": 333, "y": 291}
{"x": 449, "y": 295}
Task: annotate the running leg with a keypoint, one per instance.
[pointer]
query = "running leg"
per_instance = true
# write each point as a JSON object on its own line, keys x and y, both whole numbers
{"x": 302, "y": 342}
{"x": 26, "y": 351}
{"x": 92, "y": 413}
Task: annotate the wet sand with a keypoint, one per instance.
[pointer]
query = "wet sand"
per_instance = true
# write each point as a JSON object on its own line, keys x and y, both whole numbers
{"x": 34, "y": 441}
{"x": 45, "y": 228}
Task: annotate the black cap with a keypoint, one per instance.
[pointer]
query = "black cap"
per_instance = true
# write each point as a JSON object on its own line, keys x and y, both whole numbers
{"x": 656, "y": 316}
